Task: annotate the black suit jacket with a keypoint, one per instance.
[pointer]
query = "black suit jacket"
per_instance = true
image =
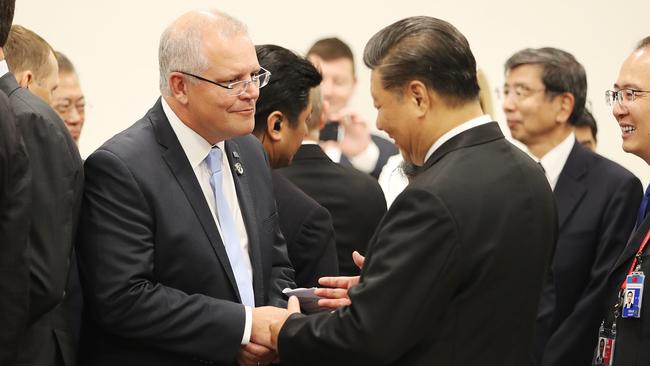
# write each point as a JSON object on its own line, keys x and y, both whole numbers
{"x": 57, "y": 180}
{"x": 158, "y": 285}
{"x": 354, "y": 199}
{"x": 386, "y": 150}
{"x": 632, "y": 337}
{"x": 471, "y": 235}
{"x": 308, "y": 231}
{"x": 15, "y": 205}
{"x": 596, "y": 201}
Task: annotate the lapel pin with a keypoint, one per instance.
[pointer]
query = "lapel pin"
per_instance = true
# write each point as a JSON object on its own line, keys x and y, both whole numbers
{"x": 235, "y": 154}
{"x": 239, "y": 169}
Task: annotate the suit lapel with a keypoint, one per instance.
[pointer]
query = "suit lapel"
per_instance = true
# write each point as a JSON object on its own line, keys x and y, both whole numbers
{"x": 474, "y": 136}
{"x": 633, "y": 244}
{"x": 177, "y": 161}
{"x": 569, "y": 189}
{"x": 246, "y": 205}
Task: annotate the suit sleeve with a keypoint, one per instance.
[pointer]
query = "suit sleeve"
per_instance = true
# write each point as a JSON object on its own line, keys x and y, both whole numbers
{"x": 314, "y": 254}
{"x": 616, "y": 226}
{"x": 15, "y": 203}
{"x": 415, "y": 250}
{"x": 116, "y": 258}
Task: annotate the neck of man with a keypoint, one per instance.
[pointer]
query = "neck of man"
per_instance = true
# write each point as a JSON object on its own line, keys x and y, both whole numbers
{"x": 542, "y": 146}
{"x": 313, "y": 135}
{"x": 439, "y": 122}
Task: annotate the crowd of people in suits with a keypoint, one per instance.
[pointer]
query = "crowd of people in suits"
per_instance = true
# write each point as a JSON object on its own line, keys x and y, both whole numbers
{"x": 175, "y": 241}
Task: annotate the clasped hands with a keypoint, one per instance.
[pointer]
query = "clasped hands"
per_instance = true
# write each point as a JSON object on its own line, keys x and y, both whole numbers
{"x": 268, "y": 320}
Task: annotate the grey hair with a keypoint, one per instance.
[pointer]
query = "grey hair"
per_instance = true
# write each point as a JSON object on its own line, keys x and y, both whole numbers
{"x": 181, "y": 46}
{"x": 561, "y": 73}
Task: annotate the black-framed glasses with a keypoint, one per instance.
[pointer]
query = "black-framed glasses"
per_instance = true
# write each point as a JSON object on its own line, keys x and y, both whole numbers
{"x": 622, "y": 96}
{"x": 237, "y": 88}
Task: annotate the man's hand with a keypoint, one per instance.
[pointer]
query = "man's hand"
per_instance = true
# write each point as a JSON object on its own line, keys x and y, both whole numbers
{"x": 262, "y": 319}
{"x": 337, "y": 295}
{"x": 292, "y": 307}
{"x": 357, "y": 133}
{"x": 253, "y": 355}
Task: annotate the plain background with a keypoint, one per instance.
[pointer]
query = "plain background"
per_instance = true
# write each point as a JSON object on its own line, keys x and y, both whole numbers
{"x": 113, "y": 45}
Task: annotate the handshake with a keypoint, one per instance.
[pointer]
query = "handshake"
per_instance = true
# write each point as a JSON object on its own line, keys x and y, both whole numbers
{"x": 268, "y": 320}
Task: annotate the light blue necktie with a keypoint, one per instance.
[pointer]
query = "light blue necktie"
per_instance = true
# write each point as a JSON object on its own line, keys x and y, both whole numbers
{"x": 229, "y": 230}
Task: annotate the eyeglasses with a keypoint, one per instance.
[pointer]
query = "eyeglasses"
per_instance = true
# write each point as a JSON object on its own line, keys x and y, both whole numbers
{"x": 622, "y": 96}
{"x": 237, "y": 88}
{"x": 520, "y": 92}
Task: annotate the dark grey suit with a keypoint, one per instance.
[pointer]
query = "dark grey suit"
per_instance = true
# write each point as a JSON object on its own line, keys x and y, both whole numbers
{"x": 468, "y": 238}
{"x": 158, "y": 284}
{"x": 15, "y": 205}
{"x": 597, "y": 201}
{"x": 56, "y": 194}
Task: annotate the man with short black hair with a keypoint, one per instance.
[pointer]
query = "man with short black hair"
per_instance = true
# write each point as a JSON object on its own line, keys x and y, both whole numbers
{"x": 281, "y": 114}
{"x": 544, "y": 96}
{"x": 630, "y": 101}
{"x": 437, "y": 284}
{"x": 586, "y": 130}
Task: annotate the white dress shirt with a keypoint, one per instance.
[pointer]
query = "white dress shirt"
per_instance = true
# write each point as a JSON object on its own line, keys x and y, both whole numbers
{"x": 4, "y": 68}
{"x": 554, "y": 160}
{"x": 196, "y": 149}
{"x": 484, "y": 119}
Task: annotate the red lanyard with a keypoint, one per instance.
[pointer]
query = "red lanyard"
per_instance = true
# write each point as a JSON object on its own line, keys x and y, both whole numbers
{"x": 638, "y": 254}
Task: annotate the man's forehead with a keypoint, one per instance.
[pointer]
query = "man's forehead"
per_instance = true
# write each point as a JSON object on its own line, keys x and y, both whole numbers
{"x": 635, "y": 71}
{"x": 524, "y": 73}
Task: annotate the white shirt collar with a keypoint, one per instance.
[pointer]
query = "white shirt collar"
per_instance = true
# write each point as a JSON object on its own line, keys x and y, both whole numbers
{"x": 554, "y": 160}
{"x": 4, "y": 67}
{"x": 196, "y": 147}
{"x": 484, "y": 119}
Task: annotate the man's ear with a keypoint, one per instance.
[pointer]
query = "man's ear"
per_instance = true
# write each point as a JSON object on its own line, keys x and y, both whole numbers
{"x": 25, "y": 78}
{"x": 418, "y": 94}
{"x": 275, "y": 123}
{"x": 566, "y": 103}
{"x": 178, "y": 86}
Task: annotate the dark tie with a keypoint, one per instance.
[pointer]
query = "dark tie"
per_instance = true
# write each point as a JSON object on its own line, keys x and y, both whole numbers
{"x": 643, "y": 209}
{"x": 229, "y": 230}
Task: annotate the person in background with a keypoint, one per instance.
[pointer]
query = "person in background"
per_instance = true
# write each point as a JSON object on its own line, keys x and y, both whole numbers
{"x": 57, "y": 183}
{"x": 586, "y": 131}
{"x": 543, "y": 97}
{"x": 68, "y": 99}
{"x": 31, "y": 60}
{"x": 357, "y": 146}
{"x": 281, "y": 113}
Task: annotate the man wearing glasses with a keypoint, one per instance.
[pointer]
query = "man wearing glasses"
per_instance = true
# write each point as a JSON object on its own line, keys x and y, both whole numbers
{"x": 179, "y": 240}
{"x": 630, "y": 101}
{"x": 544, "y": 95}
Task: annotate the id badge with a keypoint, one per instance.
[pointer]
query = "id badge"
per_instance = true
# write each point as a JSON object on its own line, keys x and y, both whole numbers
{"x": 605, "y": 347}
{"x": 633, "y": 295}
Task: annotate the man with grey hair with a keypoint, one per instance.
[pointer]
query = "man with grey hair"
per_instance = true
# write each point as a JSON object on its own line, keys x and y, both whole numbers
{"x": 544, "y": 96}
{"x": 444, "y": 267}
{"x": 179, "y": 245}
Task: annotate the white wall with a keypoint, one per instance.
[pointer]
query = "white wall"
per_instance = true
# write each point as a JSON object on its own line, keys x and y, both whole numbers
{"x": 114, "y": 44}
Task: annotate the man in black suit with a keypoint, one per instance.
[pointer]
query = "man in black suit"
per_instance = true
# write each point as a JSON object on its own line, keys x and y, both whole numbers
{"x": 447, "y": 261}
{"x": 15, "y": 205}
{"x": 57, "y": 180}
{"x": 354, "y": 199}
{"x": 179, "y": 238}
{"x": 631, "y": 108}
{"x": 544, "y": 95}
{"x": 281, "y": 113}
{"x": 358, "y": 148}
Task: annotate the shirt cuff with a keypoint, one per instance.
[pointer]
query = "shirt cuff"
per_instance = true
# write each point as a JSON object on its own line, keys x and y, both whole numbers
{"x": 367, "y": 159}
{"x": 247, "y": 326}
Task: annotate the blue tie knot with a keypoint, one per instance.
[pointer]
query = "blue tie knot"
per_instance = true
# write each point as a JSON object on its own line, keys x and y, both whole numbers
{"x": 214, "y": 160}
